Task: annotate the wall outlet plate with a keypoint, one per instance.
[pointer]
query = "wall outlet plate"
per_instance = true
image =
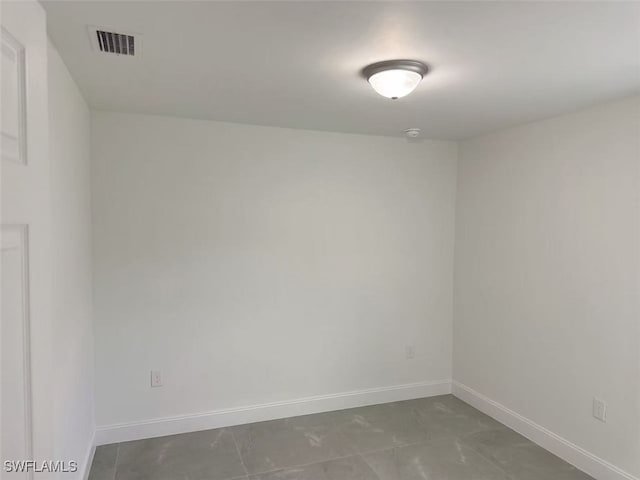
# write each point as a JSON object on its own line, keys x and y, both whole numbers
{"x": 156, "y": 378}
{"x": 410, "y": 352}
{"x": 599, "y": 409}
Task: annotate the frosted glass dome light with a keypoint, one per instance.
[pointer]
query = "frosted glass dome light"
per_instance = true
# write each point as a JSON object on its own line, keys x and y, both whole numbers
{"x": 395, "y": 78}
{"x": 395, "y": 83}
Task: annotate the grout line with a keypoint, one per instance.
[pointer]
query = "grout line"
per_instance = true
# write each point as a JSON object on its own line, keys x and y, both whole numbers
{"x": 486, "y": 459}
{"x": 341, "y": 457}
{"x": 304, "y": 465}
{"x": 115, "y": 466}
{"x": 492, "y": 462}
{"x": 479, "y": 453}
{"x": 370, "y": 466}
{"x": 394, "y": 447}
{"x": 235, "y": 442}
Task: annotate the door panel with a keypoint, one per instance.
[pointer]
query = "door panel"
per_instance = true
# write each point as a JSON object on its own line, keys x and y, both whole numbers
{"x": 25, "y": 324}
{"x": 13, "y": 129}
{"x": 15, "y": 361}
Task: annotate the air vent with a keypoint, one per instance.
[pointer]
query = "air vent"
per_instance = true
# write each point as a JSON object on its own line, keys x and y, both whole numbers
{"x": 118, "y": 43}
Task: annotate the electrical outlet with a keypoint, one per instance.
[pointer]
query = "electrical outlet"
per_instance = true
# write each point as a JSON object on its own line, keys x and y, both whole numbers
{"x": 599, "y": 409}
{"x": 156, "y": 378}
{"x": 409, "y": 352}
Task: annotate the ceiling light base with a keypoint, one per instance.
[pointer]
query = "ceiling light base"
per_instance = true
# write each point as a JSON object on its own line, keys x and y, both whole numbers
{"x": 409, "y": 65}
{"x": 395, "y": 78}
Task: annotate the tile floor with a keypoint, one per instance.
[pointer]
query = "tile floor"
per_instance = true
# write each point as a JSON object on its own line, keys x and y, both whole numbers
{"x": 437, "y": 438}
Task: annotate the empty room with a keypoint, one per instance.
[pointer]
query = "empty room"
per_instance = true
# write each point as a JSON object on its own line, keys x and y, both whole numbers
{"x": 320, "y": 240}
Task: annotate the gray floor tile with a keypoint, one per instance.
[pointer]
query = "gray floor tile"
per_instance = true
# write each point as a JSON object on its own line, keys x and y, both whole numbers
{"x": 207, "y": 455}
{"x": 447, "y": 415}
{"x": 349, "y": 468}
{"x": 442, "y": 459}
{"x": 521, "y": 458}
{"x": 439, "y": 438}
{"x": 379, "y": 427}
{"x": 290, "y": 442}
{"x": 104, "y": 462}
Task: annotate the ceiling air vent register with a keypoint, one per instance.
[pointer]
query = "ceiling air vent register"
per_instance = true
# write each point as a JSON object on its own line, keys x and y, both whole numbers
{"x": 118, "y": 43}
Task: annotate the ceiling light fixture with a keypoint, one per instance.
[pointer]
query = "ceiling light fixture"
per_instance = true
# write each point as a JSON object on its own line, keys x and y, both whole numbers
{"x": 395, "y": 78}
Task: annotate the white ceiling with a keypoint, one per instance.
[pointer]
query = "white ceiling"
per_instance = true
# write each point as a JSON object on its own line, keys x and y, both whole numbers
{"x": 297, "y": 64}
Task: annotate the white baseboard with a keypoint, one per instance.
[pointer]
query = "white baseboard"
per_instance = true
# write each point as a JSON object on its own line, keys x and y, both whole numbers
{"x": 563, "y": 448}
{"x": 85, "y": 468}
{"x": 158, "y": 427}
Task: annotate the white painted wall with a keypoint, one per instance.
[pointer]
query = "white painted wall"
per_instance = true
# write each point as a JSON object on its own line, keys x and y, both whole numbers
{"x": 547, "y": 275}
{"x": 254, "y": 264}
{"x": 73, "y": 399}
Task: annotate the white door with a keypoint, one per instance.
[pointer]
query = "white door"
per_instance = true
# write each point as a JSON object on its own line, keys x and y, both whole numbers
{"x": 25, "y": 328}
